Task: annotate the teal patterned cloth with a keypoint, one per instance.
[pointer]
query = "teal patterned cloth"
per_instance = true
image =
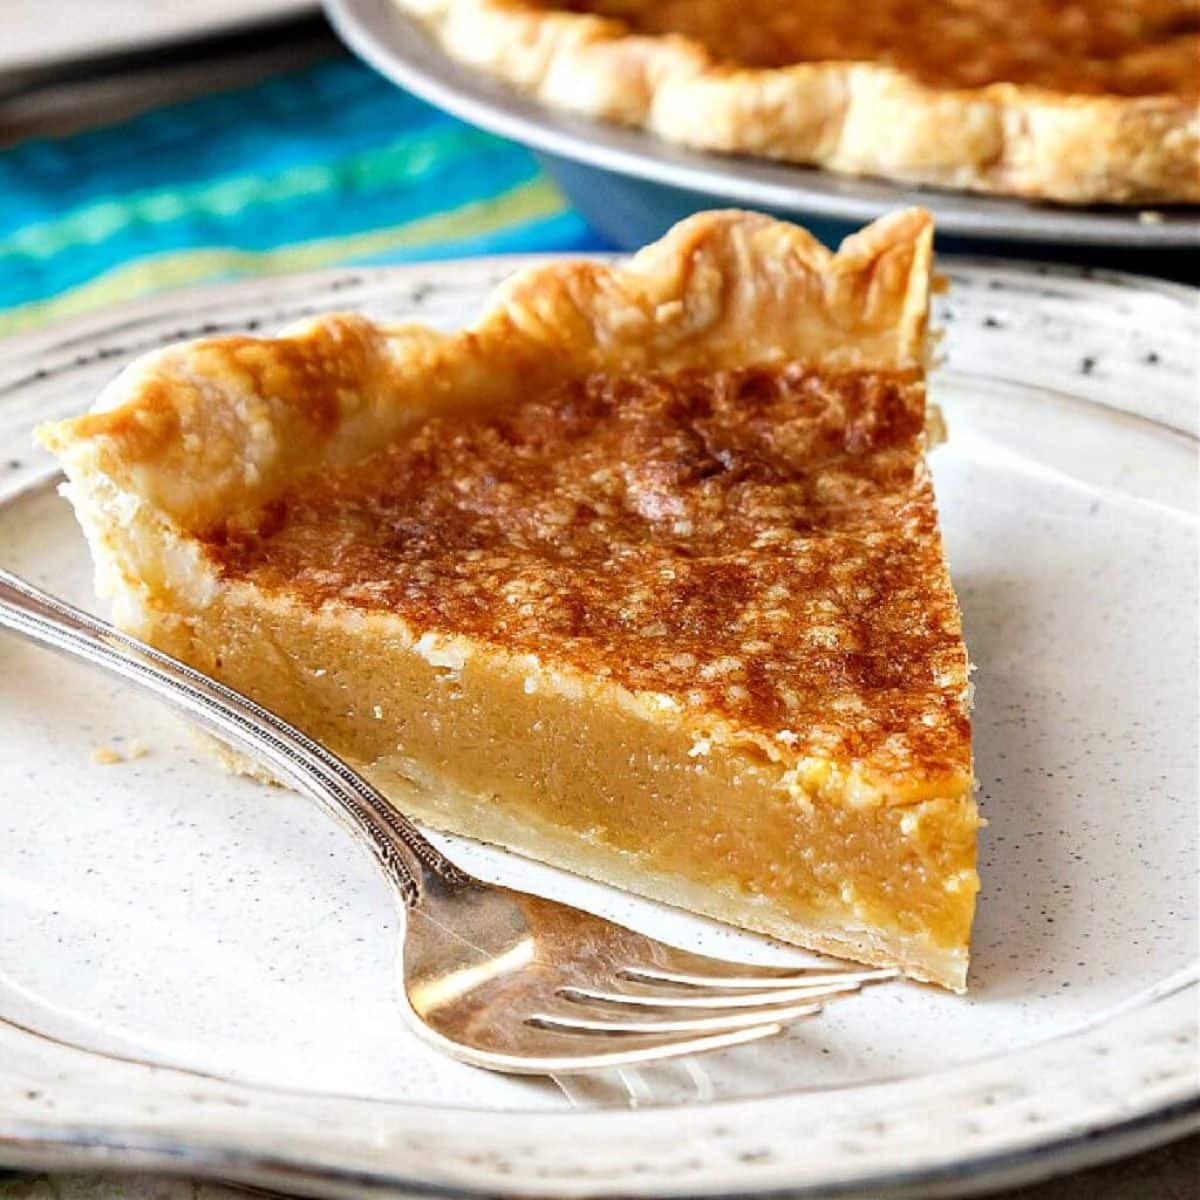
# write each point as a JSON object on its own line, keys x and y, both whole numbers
{"x": 328, "y": 165}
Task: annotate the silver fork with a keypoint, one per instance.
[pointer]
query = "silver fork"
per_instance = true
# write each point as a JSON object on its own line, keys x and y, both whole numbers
{"x": 498, "y": 978}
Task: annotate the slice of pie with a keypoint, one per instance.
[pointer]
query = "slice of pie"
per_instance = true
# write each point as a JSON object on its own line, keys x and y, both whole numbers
{"x": 640, "y": 575}
{"x": 1092, "y": 101}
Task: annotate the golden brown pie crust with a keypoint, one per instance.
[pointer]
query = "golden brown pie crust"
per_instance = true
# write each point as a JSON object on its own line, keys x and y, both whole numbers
{"x": 640, "y": 574}
{"x": 1093, "y": 102}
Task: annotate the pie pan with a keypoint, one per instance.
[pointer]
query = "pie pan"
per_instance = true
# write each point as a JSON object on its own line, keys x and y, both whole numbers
{"x": 197, "y": 972}
{"x": 632, "y": 186}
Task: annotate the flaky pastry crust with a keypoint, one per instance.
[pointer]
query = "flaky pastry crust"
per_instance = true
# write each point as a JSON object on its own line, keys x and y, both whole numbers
{"x": 857, "y": 117}
{"x": 209, "y": 428}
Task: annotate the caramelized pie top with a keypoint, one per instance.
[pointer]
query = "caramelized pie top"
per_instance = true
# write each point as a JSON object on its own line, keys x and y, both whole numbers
{"x": 1122, "y": 47}
{"x": 757, "y": 545}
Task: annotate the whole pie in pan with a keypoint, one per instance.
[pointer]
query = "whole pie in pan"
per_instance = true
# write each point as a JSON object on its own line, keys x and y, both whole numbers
{"x": 1077, "y": 101}
{"x": 640, "y": 575}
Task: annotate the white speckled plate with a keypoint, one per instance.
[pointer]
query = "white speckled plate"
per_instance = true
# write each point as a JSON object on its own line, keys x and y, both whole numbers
{"x": 196, "y": 972}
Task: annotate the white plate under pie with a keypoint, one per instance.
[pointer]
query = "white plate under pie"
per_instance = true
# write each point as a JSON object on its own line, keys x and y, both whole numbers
{"x": 197, "y": 973}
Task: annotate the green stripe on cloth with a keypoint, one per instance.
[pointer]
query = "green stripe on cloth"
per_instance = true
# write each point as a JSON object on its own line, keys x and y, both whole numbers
{"x": 387, "y": 166}
{"x": 529, "y": 202}
{"x": 322, "y": 166}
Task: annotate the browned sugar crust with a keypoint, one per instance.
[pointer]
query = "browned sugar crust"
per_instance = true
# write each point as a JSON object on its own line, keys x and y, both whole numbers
{"x": 759, "y": 545}
{"x": 1119, "y": 47}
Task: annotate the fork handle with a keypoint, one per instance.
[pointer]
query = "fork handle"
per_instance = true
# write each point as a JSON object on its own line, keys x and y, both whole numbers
{"x": 408, "y": 859}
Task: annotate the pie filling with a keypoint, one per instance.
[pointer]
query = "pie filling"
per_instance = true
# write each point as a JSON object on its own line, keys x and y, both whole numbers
{"x": 757, "y": 546}
{"x": 1121, "y": 47}
{"x": 693, "y": 630}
